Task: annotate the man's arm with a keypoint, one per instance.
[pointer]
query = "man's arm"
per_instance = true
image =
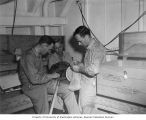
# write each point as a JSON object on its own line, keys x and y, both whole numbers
{"x": 90, "y": 71}
{"x": 34, "y": 75}
{"x": 96, "y": 57}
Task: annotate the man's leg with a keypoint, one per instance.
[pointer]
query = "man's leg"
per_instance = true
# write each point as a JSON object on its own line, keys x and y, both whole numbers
{"x": 39, "y": 99}
{"x": 87, "y": 96}
{"x": 67, "y": 95}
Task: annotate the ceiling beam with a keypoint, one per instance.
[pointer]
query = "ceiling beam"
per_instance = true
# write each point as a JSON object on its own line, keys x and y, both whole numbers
{"x": 33, "y": 21}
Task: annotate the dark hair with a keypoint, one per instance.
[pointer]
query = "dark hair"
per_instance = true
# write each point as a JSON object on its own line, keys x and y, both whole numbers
{"x": 46, "y": 39}
{"x": 82, "y": 31}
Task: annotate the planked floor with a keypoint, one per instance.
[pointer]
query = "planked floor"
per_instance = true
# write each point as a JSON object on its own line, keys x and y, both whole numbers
{"x": 5, "y": 96}
{"x": 31, "y": 111}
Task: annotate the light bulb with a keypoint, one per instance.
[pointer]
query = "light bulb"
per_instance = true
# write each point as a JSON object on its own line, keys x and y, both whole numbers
{"x": 125, "y": 75}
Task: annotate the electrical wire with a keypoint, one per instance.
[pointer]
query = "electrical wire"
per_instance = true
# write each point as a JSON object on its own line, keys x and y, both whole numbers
{"x": 84, "y": 20}
{"x": 126, "y": 28}
{"x": 14, "y": 16}
{"x": 80, "y": 6}
{"x": 82, "y": 13}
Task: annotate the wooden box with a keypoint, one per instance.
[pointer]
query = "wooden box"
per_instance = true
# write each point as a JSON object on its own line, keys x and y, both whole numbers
{"x": 133, "y": 44}
{"x": 126, "y": 82}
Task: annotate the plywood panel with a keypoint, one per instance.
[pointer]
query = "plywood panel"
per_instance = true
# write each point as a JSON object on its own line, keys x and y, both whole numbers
{"x": 123, "y": 93}
{"x": 111, "y": 81}
{"x": 116, "y": 81}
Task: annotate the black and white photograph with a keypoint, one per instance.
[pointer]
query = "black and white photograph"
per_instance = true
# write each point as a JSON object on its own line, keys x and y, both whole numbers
{"x": 77, "y": 59}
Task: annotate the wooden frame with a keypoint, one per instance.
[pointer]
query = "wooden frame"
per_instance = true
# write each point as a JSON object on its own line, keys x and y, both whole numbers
{"x": 33, "y": 21}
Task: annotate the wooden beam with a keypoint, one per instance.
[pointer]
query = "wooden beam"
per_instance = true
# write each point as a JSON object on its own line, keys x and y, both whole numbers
{"x": 33, "y": 21}
{"x": 66, "y": 8}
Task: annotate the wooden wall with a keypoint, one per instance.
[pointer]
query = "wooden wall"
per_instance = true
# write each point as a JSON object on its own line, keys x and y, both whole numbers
{"x": 9, "y": 43}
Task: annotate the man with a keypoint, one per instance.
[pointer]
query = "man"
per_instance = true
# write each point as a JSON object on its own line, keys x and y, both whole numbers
{"x": 59, "y": 55}
{"x": 94, "y": 56}
{"x": 36, "y": 84}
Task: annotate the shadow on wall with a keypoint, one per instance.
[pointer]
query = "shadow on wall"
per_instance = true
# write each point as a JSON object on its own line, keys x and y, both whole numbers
{"x": 73, "y": 42}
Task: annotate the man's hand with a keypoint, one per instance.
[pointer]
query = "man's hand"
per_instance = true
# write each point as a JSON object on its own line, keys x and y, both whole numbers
{"x": 76, "y": 62}
{"x": 75, "y": 68}
{"x": 80, "y": 64}
{"x": 54, "y": 75}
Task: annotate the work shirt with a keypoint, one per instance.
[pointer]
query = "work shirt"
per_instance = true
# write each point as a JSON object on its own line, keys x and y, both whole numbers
{"x": 94, "y": 56}
{"x": 31, "y": 70}
{"x": 54, "y": 58}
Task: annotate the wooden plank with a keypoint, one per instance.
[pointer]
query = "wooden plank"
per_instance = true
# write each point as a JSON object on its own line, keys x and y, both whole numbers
{"x": 123, "y": 93}
{"x": 118, "y": 81}
{"x": 97, "y": 111}
{"x": 111, "y": 81}
{"x": 116, "y": 106}
{"x": 107, "y": 108}
{"x": 33, "y": 21}
{"x": 6, "y": 67}
{"x": 21, "y": 102}
{"x": 15, "y": 104}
